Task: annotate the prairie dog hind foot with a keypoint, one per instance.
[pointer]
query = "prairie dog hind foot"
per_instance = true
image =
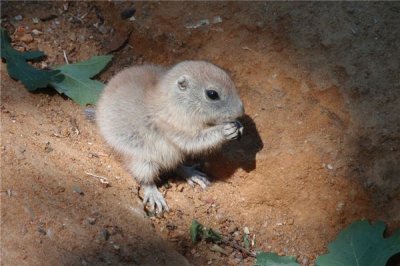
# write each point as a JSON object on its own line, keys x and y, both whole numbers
{"x": 154, "y": 199}
{"x": 193, "y": 176}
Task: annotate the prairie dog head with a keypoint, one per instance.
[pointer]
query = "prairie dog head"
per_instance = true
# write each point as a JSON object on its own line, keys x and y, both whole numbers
{"x": 203, "y": 91}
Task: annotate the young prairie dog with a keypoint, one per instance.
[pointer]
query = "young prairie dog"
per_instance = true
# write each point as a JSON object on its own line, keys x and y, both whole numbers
{"x": 159, "y": 116}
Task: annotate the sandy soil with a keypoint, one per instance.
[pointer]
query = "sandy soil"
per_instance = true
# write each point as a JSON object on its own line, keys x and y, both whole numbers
{"x": 320, "y": 84}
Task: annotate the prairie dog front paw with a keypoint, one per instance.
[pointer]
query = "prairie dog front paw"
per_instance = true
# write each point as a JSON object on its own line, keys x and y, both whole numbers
{"x": 233, "y": 130}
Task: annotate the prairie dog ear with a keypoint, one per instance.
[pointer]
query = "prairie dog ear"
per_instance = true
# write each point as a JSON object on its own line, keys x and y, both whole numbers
{"x": 183, "y": 82}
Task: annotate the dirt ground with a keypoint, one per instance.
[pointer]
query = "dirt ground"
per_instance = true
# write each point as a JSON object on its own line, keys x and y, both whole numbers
{"x": 321, "y": 87}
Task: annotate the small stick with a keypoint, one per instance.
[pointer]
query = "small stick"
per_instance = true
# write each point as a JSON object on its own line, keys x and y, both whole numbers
{"x": 97, "y": 176}
{"x": 102, "y": 179}
{"x": 226, "y": 241}
{"x": 65, "y": 57}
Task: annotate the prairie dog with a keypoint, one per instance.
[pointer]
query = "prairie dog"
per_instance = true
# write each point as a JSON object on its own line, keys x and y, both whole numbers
{"x": 158, "y": 116}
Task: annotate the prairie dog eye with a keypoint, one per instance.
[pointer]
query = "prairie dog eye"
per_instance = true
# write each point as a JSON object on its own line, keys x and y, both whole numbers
{"x": 212, "y": 94}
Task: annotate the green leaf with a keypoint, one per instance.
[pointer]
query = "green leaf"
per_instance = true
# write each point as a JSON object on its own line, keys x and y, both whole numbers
{"x": 246, "y": 242}
{"x": 272, "y": 259}
{"x": 361, "y": 244}
{"x": 88, "y": 68}
{"x": 196, "y": 231}
{"x": 77, "y": 83}
{"x": 211, "y": 235}
{"x": 19, "y": 69}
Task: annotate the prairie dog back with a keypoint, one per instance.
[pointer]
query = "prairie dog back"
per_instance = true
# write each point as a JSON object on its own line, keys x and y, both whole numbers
{"x": 122, "y": 106}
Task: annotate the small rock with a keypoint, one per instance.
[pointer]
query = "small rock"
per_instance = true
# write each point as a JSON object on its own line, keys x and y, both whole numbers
{"x": 221, "y": 218}
{"x": 219, "y": 249}
{"x": 24, "y": 230}
{"x": 116, "y": 247}
{"x": 26, "y": 38}
{"x": 81, "y": 38}
{"x": 46, "y": 17}
{"x": 36, "y": 32}
{"x": 246, "y": 230}
{"x": 65, "y": 6}
{"x": 72, "y": 36}
{"x": 329, "y": 166}
{"x": 180, "y": 188}
{"x": 236, "y": 236}
{"x": 50, "y": 233}
{"x": 35, "y": 20}
{"x": 340, "y": 206}
{"x": 238, "y": 255}
{"x": 91, "y": 220}
{"x": 290, "y": 221}
{"x": 105, "y": 234}
{"x": 48, "y": 148}
{"x": 103, "y": 29}
{"x": 41, "y": 229}
{"x": 128, "y": 13}
{"x": 170, "y": 226}
{"x": 77, "y": 190}
{"x": 197, "y": 24}
{"x": 60, "y": 189}
{"x": 216, "y": 20}
{"x": 285, "y": 250}
{"x": 229, "y": 249}
{"x": 232, "y": 228}
{"x": 18, "y": 17}
{"x": 305, "y": 261}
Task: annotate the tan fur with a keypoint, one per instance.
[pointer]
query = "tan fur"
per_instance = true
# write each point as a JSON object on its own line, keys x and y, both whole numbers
{"x": 156, "y": 123}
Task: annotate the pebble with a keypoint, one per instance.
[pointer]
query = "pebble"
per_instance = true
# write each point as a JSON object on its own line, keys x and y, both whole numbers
{"x": 91, "y": 220}
{"x": 340, "y": 206}
{"x": 221, "y": 218}
{"x": 246, "y": 230}
{"x": 50, "y": 233}
{"x": 103, "y": 29}
{"x": 180, "y": 188}
{"x": 171, "y": 226}
{"x": 216, "y": 20}
{"x": 24, "y": 230}
{"x": 48, "y": 148}
{"x": 26, "y": 38}
{"x": 78, "y": 190}
{"x": 128, "y": 13}
{"x": 72, "y": 36}
{"x": 36, "y": 32}
{"x": 105, "y": 234}
{"x": 236, "y": 236}
{"x": 41, "y": 229}
{"x": 232, "y": 228}
{"x": 18, "y": 17}
{"x": 219, "y": 249}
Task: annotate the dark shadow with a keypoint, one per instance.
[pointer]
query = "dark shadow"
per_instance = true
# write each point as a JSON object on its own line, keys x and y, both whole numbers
{"x": 394, "y": 260}
{"x": 236, "y": 154}
{"x": 233, "y": 155}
